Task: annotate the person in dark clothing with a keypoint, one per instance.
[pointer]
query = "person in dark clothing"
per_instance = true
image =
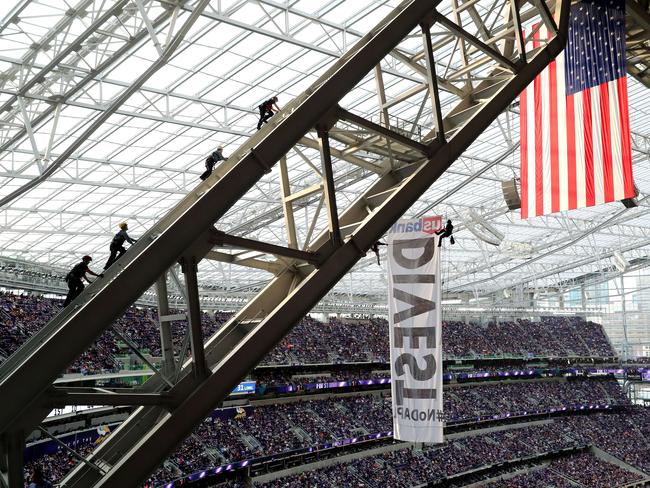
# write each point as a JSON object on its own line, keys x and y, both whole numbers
{"x": 446, "y": 232}
{"x": 74, "y": 277}
{"x": 267, "y": 110}
{"x": 117, "y": 245}
{"x": 213, "y": 159}
{"x": 375, "y": 248}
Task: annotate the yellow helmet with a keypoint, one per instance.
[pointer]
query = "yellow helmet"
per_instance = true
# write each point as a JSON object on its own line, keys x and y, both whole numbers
{"x": 123, "y": 226}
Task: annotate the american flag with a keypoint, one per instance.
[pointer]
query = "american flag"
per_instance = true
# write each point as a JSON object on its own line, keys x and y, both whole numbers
{"x": 574, "y": 120}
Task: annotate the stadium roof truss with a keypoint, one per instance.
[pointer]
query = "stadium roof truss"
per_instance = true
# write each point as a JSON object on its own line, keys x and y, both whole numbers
{"x": 101, "y": 122}
{"x": 385, "y": 99}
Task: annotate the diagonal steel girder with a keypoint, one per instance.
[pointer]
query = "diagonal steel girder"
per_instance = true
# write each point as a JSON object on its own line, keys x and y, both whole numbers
{"x": 289, "y": 311}
{"x": 219, "y": 349}
{"x": 158, "y": 249}
{"x": 185, "y": 232}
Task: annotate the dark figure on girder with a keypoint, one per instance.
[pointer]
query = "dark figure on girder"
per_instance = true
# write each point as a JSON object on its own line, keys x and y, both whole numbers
{"x": 211, "y": 160}
{"x": 117, "y": 244}
{"x": 446, "y": 232}
{"x": 267, "y": 110}
{"x": 375, "y": 248}
{"x": 74, "y": 279}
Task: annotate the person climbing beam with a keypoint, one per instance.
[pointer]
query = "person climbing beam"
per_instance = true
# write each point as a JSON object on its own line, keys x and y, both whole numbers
{"x": 211, "y": 160}
{"x": 74, "y": 279}
{"x": 266, "y": 111}
{"x": 117, "y": 245}
{"x": 446, "y": 232}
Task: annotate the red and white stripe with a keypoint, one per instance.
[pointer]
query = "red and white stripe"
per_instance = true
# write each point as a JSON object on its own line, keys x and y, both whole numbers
{"x": 575, "y": 150}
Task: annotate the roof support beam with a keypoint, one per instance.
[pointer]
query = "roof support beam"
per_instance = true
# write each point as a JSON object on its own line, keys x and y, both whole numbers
{"x": 219, "y": 238}
{"x": 42, "y": 117}
{"x": 270, "y": 266}
{"x": 382, "y": 131}
{"x": 115, "y": 105}
{"x": 91, "y": 30}
{"x": 59, "y": 397}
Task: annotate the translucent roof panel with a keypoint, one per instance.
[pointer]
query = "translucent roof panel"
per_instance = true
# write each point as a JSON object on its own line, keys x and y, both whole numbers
{"x": 150, "y": 151}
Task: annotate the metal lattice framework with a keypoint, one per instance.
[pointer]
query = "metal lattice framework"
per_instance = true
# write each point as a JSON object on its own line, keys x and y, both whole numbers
{"x": 386, "y": 101}
{"x": 63, "y": 68}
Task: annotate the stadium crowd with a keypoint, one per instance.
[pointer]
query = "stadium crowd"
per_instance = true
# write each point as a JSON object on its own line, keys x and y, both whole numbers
{"x": 282, "y": 427}
{"x": 312, "y": 342}
{"x": 260, "y": 431}
{"x": 21, "y": 316}
{"x": 556, "y": 337}
{"x": 276, "y": 429}
{"x": 410, "y": 467}
{"x": 585, "y": 469}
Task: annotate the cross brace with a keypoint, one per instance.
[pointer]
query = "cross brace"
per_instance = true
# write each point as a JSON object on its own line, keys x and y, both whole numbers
{"x": 187, "y": 232}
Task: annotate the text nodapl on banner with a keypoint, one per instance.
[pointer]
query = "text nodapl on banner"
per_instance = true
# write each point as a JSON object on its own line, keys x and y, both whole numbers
{"x": 415, "y": 330}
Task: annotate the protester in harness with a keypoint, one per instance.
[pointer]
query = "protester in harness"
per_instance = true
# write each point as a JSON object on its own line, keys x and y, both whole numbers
{"x": 211, "y": 160}
{"x": 375, "y": 248}
{"x": 74, "y": 277}
{"x": 117, "y": 245}
{"x": 266, "y": 111}
{"x": 446, "y": 232}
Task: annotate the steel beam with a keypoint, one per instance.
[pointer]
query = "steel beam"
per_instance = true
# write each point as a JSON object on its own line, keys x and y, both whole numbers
{"x": 300, "y": 194}
{"x": 131, "y": 431}
{"x": 13, "y": 15}
{"x": 166, "y": 342}
{"x": 477, "y": 43}
{"x": 270, "y": 266}
{"x": 185, "y": 231}
{"x": 432, "y": 81}
{"x": 60, "y": 397}
{"x": 12, "y": 445}
{"x": 382, "y": 131}
{"x": 189, "y": 267}
{"x": 219, "y": 238}
{"x": 287, "y": 206}
{"x": 328, "y": 187}
{"x": 337, "y": 153}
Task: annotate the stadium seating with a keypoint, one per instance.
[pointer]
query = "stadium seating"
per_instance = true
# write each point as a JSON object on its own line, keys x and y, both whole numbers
{"x": 586, "y": 469}
{"x": 313, "y": 342}
{"x": 407, "y": 467}
{"x": 277, "y": 429}
{"x": 283, "y": 427}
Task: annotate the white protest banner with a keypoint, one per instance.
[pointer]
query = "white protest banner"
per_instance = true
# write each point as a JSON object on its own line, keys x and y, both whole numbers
{"x": 415, "y": 330}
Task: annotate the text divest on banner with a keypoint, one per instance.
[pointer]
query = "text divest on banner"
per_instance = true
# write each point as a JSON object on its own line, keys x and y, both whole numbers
{"x": 415, "y": 330}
